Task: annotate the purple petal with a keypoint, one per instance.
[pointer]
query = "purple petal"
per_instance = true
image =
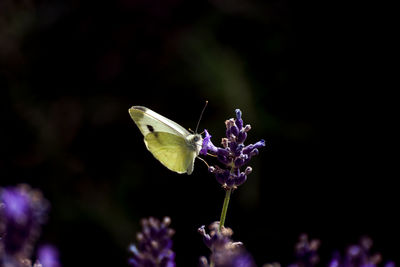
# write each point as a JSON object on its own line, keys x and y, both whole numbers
{"x": 259, "y": 144}
{"x": 48, "y": 256}
{"x": 208, "y": 145}
{"x": 16, "y": 204}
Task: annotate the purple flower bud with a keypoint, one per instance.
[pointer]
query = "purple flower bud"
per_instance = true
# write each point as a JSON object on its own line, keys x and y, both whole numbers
{"x": 239, "y": 162}
{"x": 248, "y": 170}
{"x": 225, "y": 142}
{"x": 241, "y": 137}
{"x": 234, "y": 130}
{"x": 254, "y": 152}
{"x": 259, "y": 144}
{"x": 239, "y": 121}
{"x": 240, "y": 179}
{"x": 222, "y": 177}
{"x": 247, "y": 149}
{"x": 206, "y": 237}
{"x": 228, "y": 133}
{"x": 238, "y": 114}
{"x": 233, "y": 146}
{"x": 229, "y": 123}
{"x": 247, "y": 128}
{"x": 223, "y": 152}
{"x": 230, "y": 182}
{"x": 224, "y": 160}
{"x": 238, "y": 150}
{"x": 48, "y": 256}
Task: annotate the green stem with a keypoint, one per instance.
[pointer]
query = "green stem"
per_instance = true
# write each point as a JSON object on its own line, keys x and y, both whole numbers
{"x": 224, "y": 208}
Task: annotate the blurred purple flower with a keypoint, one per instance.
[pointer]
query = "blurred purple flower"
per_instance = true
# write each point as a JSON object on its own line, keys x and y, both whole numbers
{"x": 233, "y": 154}
{"x": 24, "y": 211}
{"x": 16, "y": 204}
{"x": 154, "y": 245}
{"x": 358, "y": 256}
{"x": 306, "y": 252}
{"x": 224, "y": 252}
{"x": 48, "y": 256}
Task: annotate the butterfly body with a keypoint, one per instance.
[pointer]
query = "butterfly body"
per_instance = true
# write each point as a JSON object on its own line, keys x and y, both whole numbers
{"x": 174, "y": 146}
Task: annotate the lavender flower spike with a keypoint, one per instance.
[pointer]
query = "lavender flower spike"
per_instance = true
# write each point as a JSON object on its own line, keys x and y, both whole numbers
{"x": 306, "y": 252}
{"x": 233, "y": 154}
{"x": 22, "y": 213}
{"x": 358, "y": 256}
{"x": 154, "y": 245}
{"x": 224, "y": 252}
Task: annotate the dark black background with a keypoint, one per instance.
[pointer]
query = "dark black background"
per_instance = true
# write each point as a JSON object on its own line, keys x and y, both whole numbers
{"x": 312, "y": 79}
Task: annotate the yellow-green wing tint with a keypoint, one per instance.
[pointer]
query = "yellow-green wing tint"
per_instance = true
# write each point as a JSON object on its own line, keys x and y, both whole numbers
{"x": 171, "y": 150}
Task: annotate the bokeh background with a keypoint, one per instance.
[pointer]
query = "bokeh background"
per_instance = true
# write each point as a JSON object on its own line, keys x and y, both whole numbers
{"x": 307, "y": 76}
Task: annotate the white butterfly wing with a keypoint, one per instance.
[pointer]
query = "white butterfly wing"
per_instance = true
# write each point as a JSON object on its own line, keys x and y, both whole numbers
{"x": 149, "y": 121}
{"x": 169, "y": 142}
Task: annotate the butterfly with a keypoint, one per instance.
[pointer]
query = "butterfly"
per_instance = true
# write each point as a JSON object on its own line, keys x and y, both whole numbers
{"x": 174, "y": 146}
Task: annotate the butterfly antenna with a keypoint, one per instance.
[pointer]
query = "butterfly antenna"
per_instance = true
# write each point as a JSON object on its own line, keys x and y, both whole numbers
{"x": 201, "y": 115}
{"x": 208, "y": 166}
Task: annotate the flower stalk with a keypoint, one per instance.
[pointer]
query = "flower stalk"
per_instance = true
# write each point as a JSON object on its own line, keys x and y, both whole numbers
{"x": 225, "y": 208}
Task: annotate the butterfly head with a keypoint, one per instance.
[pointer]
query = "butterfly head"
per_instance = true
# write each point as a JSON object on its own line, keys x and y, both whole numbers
{"x": 195, "y": 141}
